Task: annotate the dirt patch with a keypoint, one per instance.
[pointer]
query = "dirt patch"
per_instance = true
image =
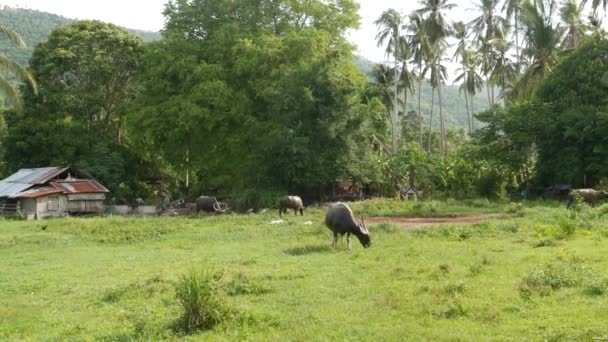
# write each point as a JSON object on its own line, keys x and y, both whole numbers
{"x": 411, "y": 223}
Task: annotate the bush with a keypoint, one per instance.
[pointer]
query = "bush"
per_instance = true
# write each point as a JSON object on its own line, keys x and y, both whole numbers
{"x": 201, "y": 300}
{"x": 561, "y": 273}
{"x": 254, "y": 199}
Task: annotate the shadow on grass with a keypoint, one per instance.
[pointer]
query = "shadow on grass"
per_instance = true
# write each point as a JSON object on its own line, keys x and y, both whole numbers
{"x": 310, "y": 249}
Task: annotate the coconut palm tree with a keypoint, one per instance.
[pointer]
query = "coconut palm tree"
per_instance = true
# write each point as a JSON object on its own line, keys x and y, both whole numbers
{"x": 461, "y": 34}
{"x": 571, "y": 15}
{"x": 437, "y": 76}
{"x": 543, "y": 39}
{"x": 504, "y": 71}
{"x": 389, "y": 25}
{"x": 487, "y": 27}
{"x": 407, "y": 77}
{"x": 595, "y": 4}
{"x": 12, "y": 68}
{"x": 595, "y": 23}
{"x": 512, "y": 10}
{"x": 437, "y": 31}
{"x": 471, "y": 81}
{"x": 419, "y": 44}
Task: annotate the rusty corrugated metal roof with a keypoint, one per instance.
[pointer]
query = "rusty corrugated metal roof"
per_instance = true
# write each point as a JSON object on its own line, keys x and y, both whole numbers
{"x": 27, "y": 178}
{"x": 80, "y": 186}
{"x": 38, "y": 192}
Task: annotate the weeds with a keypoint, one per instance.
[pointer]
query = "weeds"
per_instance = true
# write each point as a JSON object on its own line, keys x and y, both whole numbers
{"x": 558, "y": 274}
{"x": 203, "y": 304}
{"x": 242, "y": 285}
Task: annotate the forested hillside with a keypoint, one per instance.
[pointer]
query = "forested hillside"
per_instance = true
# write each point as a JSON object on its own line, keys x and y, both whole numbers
{"x": 35, "y": 26}
{"x": 454, "y": 103}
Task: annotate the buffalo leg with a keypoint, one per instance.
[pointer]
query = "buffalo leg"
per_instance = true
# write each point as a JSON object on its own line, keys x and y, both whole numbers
{"x": 348, "y": 241}
{"x": 335, "y": 239}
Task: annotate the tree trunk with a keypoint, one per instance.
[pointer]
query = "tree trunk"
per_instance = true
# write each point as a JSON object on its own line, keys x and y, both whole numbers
{"x": 444, "y": 146}
{"x": 472, "y": 113}
{"x": 517, "y": 41}
{"x": 466, "y": 101}
{"x": 419, "y": 106}
{"x": 431, "y": 121}
{"x": 404, "y": 108}
{"x": 396, "y": 107}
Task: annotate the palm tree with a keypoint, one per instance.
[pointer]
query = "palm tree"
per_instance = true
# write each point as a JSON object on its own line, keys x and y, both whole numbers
{"x": 504, "y": 71}
{"x": 389, "y": 25}
{"x": 437, "y": 30}
{"x": 542, "y": 38}
{"x": 438, "y": 74}
{"x": 471, "y": 81}
{"x": 595, "y": 23}
{"x": 512, "y": 10}
{"x": 571, "y": 16}
{"x": 14, "y": 69}
{"x": 595, "y": 4}
{"x": 419, "y": 44}
{"x": 461, "y": 34}
{"x": 408, "y": 77}
{"x": 487, "y": 27}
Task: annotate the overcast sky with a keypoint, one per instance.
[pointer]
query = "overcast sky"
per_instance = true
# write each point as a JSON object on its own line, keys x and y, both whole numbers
{"x": 147, "y": 15}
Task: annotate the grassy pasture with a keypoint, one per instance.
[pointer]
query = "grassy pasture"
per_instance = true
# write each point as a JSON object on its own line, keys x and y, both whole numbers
{"x": 537, "y": 273}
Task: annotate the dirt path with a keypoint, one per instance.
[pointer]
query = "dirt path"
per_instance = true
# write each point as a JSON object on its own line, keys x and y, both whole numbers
{"x": 410, "y": 223}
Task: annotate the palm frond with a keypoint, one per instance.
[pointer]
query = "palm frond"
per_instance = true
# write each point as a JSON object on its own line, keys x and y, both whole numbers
{"x": 11, "y": 93}
{"x": 19, "y": 71}
{"x": 12, "y": 35}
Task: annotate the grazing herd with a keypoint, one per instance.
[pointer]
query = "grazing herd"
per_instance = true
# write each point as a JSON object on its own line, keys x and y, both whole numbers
{"x": 339, "y": 218}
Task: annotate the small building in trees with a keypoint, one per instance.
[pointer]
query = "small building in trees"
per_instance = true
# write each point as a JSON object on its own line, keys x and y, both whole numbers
{"x": 51, "y": 192}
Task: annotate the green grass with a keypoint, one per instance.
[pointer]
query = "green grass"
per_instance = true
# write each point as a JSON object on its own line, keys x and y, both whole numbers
{"x": 434, "y": 208}
{"x": 115, "y": 279}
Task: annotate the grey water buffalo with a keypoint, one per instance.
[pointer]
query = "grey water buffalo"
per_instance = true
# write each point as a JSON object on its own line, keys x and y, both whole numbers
{"x": 291, "y": 202}
{"x": 210, "y": 204}
{"x": 590, "y": 196}
{"x": 340, "y": 220}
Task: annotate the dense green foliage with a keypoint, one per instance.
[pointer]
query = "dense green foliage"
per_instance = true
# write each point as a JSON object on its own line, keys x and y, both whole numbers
{"x": 261, "y": 101}
{"x": 85, "y": 75}
{"x": 541, "y": 277}
{"x": 561, "y": 131}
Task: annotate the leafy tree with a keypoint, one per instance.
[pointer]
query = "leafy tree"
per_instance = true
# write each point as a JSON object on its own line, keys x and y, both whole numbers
{"x": 85, "y": 78}
{"x": 256, "y": 95}
{"x": 572, "y": 134}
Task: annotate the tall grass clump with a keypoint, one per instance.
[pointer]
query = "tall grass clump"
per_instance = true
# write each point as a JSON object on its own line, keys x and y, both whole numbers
{"x": 202, "y": 301}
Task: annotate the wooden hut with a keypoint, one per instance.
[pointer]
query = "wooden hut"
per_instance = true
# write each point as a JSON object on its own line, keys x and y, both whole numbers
{"x": 51, "y": 192}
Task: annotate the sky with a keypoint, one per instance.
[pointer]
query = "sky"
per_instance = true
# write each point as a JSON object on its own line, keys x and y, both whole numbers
{"x": 147, "y": 15}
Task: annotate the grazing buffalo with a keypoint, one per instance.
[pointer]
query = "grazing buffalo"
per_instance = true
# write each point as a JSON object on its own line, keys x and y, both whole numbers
{"x": 209, "y": 204}
{"x": 340, "y": 220}
{"x": 587, "y": 195}
{"x": 291, "y": 202}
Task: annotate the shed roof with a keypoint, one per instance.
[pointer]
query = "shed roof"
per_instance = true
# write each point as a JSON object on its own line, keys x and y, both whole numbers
{"x": 27, "y": 183}
{"x": 35, "y": 176}
{"x": 80, "y": 186}
{"x": 38, "y": 192}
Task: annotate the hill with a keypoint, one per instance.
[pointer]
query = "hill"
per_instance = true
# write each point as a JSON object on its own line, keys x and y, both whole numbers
{"x": 35, "y": 26}
{"x": 454, "y": 103}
